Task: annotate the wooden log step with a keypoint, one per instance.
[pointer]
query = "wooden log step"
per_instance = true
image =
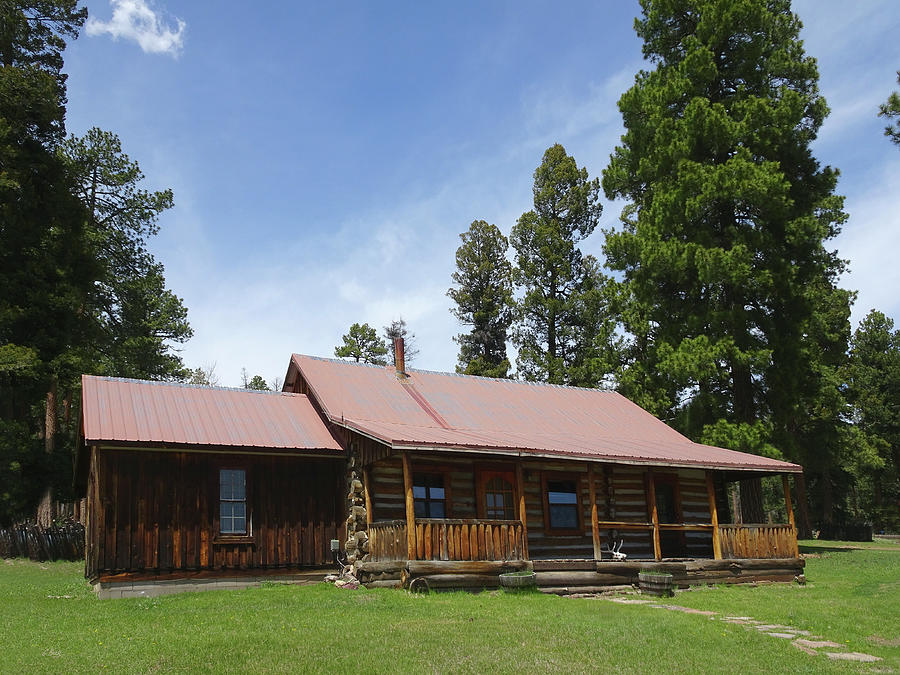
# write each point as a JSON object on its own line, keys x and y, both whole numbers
{"x": 383, "y": 584}
{"x": 580, "y": 578}
{"x": 570, "y": 590}
{"x": 549, "y": 565}
{"x": 429, "y": 567}
{"x": 378, "y": 567}
{"x": 460, "y": 580}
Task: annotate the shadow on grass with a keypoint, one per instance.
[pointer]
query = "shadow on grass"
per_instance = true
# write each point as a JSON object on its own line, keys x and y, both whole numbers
{"x": 806, "y": 548}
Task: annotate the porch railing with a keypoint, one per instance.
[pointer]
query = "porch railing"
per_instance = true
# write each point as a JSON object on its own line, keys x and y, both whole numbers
{"x": 758, "y": 541}
{"x": 449, "y": 539}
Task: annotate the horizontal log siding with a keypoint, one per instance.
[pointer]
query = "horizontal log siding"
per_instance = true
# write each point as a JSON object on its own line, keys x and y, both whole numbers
{"x": 158, "y": 512}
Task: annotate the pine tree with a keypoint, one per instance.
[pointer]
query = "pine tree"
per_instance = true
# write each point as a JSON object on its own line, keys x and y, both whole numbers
{"x": 361, "y": 343}
{"x": 562, "y": 329}
{"x": 484, "y": 300}
{"x": 736, "y": 321}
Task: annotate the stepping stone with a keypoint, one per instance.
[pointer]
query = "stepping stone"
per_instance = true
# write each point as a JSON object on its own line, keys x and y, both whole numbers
{"x": 746, "y": 619}
{"x": 816, "y": 644}
{"x": 738, "y": 621}
{"x": 852, "y": 656}
{"x": 770, "y": 626}
{"x": 803, "y": 648}
{"x": 629, "y": 601}
{"x": 690, "y": 610}
{"x": 782, "y": 635}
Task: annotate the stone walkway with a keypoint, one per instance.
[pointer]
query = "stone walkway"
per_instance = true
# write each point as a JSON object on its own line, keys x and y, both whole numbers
{"x": 801, "y": 639}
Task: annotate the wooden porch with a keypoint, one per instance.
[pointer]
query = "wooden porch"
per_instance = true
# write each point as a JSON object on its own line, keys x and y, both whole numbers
{"x": 486, "y": 539}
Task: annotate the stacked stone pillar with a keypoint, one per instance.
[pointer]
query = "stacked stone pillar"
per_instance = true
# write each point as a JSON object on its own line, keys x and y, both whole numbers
{"x": 357, "y": 545}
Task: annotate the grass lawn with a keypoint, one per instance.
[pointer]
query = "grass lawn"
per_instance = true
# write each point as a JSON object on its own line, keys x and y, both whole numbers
{"x": 853, "y": 596}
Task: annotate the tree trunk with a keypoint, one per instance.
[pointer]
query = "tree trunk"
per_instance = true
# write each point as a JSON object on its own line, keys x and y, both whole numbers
{"x": 751, "y": 501}
{"x": 804, "y": 528}
{"x": 45, "y": 513}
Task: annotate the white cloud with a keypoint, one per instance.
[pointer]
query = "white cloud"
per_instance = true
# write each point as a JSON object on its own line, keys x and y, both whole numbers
{"x": 136, "y": 20}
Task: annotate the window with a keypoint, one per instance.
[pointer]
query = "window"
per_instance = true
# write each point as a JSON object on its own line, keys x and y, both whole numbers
{"x": 232, "y": 501}
{"x": 429, "y": 495}
{"x": 499, "y": 502}
{"x": 562, "y": 504}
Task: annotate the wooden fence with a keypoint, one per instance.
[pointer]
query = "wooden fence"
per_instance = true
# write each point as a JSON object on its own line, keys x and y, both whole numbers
{"x": 449, "y": 539}
{"x": 758, "y": 541}
{"x": 58, "y": 542}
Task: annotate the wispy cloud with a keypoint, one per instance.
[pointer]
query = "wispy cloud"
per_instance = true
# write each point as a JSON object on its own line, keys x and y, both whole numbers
{"x": 138, "y": 21}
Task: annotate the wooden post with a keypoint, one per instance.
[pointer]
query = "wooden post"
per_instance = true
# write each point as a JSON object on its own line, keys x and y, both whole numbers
{"x": 654, "y": 516}
{"x": 786, "y": 484}
{"x": 714, "y": 516}
{"x": 370, "y": 515}
{"x": 410, "y": 507}
{"x": 523, "y": 513}
{"x": 595, "y": 519}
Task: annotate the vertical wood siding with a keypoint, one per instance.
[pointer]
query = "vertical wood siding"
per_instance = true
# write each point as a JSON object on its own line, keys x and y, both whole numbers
{"x": 158, "y": 512}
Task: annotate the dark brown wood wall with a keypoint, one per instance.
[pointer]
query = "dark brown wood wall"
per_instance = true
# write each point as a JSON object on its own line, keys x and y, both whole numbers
{"x": 152, "y": 511}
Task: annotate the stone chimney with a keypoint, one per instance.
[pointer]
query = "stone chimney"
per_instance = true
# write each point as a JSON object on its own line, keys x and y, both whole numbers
{"x": 399, "y": 357}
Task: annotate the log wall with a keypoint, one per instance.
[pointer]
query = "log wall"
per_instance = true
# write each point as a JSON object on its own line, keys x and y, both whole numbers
{"x": 157, "y": 512}
{"x": 621, "y": 493}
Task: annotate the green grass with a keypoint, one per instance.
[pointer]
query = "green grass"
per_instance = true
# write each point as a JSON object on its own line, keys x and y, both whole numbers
{"x": 852, "y": 595}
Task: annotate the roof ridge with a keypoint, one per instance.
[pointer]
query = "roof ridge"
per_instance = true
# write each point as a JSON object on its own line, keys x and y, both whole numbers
{"x": 449, "y": 374}
{"x": 188, "y": 385}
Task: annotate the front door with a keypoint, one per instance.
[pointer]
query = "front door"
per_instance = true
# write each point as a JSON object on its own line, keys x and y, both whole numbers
{"x": 496, "y": 495}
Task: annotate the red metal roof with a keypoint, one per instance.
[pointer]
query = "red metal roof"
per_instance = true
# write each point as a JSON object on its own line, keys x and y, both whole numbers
{"x": 429, "y": 409}
{"x": 117, "y": 410}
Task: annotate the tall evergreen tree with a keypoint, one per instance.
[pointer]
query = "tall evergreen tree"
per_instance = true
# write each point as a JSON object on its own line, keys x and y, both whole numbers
{"x": 484, "y": 300}
{"x": 139, "y": 320}
{"x": 873, "y": 378}
{"x": 561, "y": 287}
{"x": 732, "y": 298}
{"x": 46, "y": 266}
{"x": 361, "y": 343}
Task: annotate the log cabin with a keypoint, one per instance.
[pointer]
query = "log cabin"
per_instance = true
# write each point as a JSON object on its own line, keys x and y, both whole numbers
{"x": 419, "y": 478}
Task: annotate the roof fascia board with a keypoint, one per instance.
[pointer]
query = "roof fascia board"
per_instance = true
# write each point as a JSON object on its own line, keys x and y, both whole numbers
{"x": 583, "y": 458}
{"x": 223, "y": 450}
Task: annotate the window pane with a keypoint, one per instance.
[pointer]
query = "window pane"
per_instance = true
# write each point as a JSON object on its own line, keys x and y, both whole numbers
{"x": 563, "y": 517}
{"x": 227, "y": 510}
{"x": 419, "y": 508}
{"x": 437, "y": 493}
{"x": 224, "y": 484}
{"x": 562, "y": 498}
{"x": 237, "y": 490}
{"x": 418, "y": 492}
{"x": 437, "y": 509}
{"x": 239, "y": 526}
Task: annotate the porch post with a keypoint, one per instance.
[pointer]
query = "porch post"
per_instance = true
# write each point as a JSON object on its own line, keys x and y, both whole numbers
{"x": 790, "y": 511}
{"x": 410, "y": 507}
{"x": 367, "y": 478}
{"x": 523, "y": 514}
{"x": 595, "y": 520}
{"x": 714, "y": 516}
{"x": 654, "y": 516}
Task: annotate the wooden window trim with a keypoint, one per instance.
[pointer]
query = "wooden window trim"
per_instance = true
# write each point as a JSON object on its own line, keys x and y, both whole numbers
{"x": 483, "y": 473}
{"x": 548, "y": 476}
{"x": 233, "y": 537}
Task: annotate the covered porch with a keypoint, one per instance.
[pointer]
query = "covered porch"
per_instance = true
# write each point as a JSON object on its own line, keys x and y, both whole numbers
{"x": 670, "y": 521}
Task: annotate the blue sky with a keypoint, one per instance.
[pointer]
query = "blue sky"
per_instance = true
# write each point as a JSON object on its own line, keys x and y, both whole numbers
{"x": 325, "y": 157}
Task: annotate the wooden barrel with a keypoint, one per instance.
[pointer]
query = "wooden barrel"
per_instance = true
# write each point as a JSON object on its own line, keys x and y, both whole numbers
{"x": 656, "y": 583}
